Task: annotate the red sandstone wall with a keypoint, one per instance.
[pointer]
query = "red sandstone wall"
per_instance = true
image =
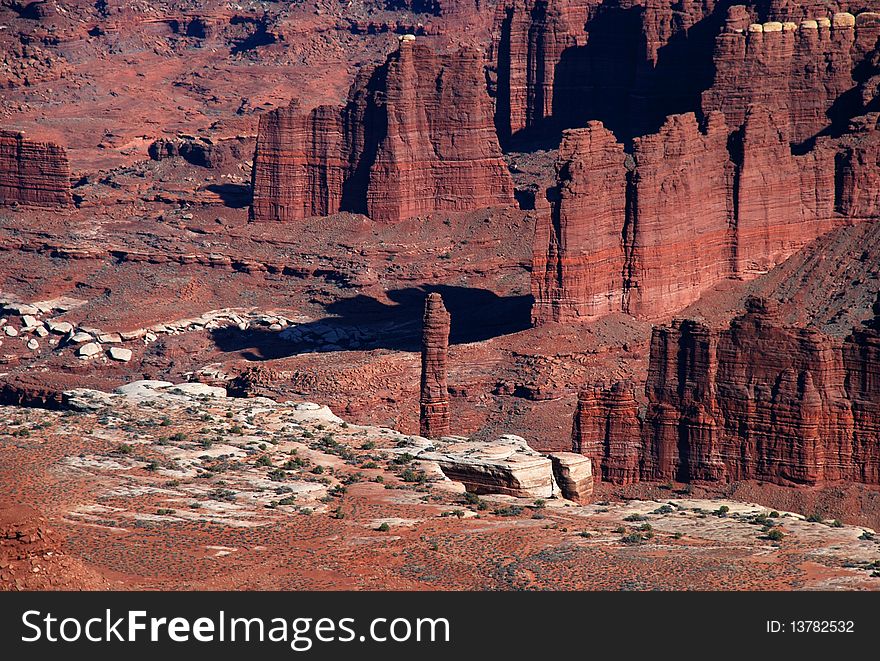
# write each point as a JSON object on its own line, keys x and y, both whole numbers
{"x": 578, "y": 264}
{"x": 415, "y": 137}
{"x": 32, "y": 173}
{"x": 757, "y": 401}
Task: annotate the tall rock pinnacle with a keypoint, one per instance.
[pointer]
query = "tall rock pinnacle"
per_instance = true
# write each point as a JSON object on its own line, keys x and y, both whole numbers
{"x": 434, "y": 399}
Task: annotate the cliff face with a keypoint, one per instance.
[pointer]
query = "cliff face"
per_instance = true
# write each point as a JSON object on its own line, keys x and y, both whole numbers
{"x": 680, "y": 214}
{"x": 797, "y": 70}
{"x": 33, "y": 173}
{"x": 440, "y": 151}
{"x": 579, "y": 256}
{"x": 606, "y": 429}
{"x": 626, "y": 63}
{"x": 630, "y": 63}
{"x": 299, "y": 164}
{"x": 858, "y": 170}
{"x": 434, "y": 398}
{"x": 781, "y": 201}
{"x": 416, "y": 136}
{"x": 529, "y": 38}
{"x": 756, "y": 401}
{"x": 693, "y": 206}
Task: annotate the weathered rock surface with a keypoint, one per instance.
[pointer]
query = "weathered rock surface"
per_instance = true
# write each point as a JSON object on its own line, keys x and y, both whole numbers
{"x": 606, "y": 429}
{"x": 34, "y": 174}
{"x": 300, "y": 165}
{"x": 782, "y": 201}
{"x": 630, "y": 64}
{"x": 574, "y": 475}
{"x": 858, "y": 173}
{"x": 506, "y": 466}
{"x": 797, "y": 70}
{"x": 434, "y": 394}
{"x": 648, "y": 235}
{"x": 579, "y": 261}
{"x": 415, "y": 137}
{"x": 758, "y": 401}
{"x": 681, "y": 213}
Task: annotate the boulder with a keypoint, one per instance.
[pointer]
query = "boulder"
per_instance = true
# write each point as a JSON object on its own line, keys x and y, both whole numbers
{"x": 120, "y": 354}
{"x": 574, "y": 475}
{"x": 88, "y": 350}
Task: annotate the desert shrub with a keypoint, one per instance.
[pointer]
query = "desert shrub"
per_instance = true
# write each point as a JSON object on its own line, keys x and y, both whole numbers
{"x": 409, "y": 475}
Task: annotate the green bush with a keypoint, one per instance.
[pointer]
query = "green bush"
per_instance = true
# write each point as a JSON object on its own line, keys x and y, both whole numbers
{"x": 409, "y": 475}
{"x": 509, "y": 510}
{"x": 632, "y": 538}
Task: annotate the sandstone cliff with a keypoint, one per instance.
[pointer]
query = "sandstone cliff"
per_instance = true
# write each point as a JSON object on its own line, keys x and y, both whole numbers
{"x": 415, "y": 137}
{"x": 798, "y": 70}
{"x": 32, "y": 173}
{"x": 648, "y": 234}
{"x": 578, "y": 265}
{"x": 759, "y": 401}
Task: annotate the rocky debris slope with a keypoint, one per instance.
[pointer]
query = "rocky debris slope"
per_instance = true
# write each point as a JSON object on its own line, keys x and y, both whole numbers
{"x": 33, "y": 174}
{"x": 32, "y": 555}
{"x": 415, "y": 137}
{"x": 757, "y": 401}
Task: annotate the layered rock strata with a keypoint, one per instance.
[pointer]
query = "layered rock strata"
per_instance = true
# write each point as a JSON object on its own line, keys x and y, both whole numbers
{"x": 574, "y": 475}
{"x": 506, "y": 466}
{"x": 579, "y": 244}
{"x": 34, "y": 174}
{"x": 630, "y": 63}
{"x": 694, "y": 204}
{"x": 605, "y": 428}
{"x": 416, "y": 136}
{"x": 757, "y": 401}
{"x": 434, "y": 396}
{"x": 798, "y": 70}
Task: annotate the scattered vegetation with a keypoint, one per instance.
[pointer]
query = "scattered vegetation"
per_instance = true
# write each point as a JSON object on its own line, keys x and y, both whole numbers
{"x": 509, "y": 510}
